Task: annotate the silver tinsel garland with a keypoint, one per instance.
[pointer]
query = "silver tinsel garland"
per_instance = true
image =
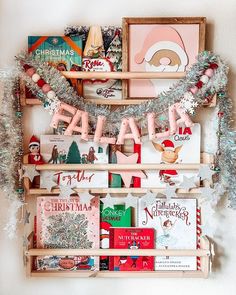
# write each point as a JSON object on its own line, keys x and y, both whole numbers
{"x": 10, "y": 145}
{"x": 11, "y": 133}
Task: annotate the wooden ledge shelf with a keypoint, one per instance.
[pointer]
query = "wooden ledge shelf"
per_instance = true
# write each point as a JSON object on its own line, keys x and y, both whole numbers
{"x": 204, "y": 253}
{"x": 123, "y": 75}
{"x": 123, "y": 190}
{"x": 114, "y": 167}
{"x": 120, "y": 274}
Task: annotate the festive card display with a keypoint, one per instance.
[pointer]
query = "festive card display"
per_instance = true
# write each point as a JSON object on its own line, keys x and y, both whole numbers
{"x": 175, "y": 225}
{"x": 183, "y": 147}
{"x": 131, "y": 238}
{"x": 102, "y": 53}
{"x": 60, "y": 149}
{"x": 68, "y": 223}
{"x": 62, "y": 52}
{"x": 111, "y": 217}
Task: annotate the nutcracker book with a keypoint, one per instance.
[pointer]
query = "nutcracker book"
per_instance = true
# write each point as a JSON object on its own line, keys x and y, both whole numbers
{"x": 182, "y": 147}
{"x": 109, "y": 217}
{"x": 69, "y": 223}
{"x": 175, "y": 225}
{"x": 131, "y": 238}
{"x": 61, "y": 149}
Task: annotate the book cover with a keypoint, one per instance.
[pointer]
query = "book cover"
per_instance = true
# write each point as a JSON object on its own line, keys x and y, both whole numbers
{"x": 132, "y": 238}
{"x": 101, "y": 57}
{"x": 61, "y": 149}
{"x": 114, "y": 179}
{"x": 181, "y": 148}
{"x": 175, "y": 225}
{"x": 109, "y": 217}
{"x": 62, "y": 52}
{"x": 68, "y": 223}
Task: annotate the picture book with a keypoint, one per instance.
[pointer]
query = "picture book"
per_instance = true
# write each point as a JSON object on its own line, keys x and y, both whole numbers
{"x": 111, "y": 217}
{"x": 180, "y": 148}
{"x": 175, "y": 225}
{"x": 132, "y": 238}
{"x": 62, "y": 52}
{"x": 62, "y": 149}
{"x": 68, "y": 223}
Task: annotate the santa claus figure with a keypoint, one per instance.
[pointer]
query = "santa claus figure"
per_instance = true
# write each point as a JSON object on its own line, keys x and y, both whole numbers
{"x": 34, "y": 156}
{"x": 163, "y": 51}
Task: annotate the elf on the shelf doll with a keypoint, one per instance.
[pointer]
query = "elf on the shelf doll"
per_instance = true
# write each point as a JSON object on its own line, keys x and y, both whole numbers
{"x": 34, "y": 156}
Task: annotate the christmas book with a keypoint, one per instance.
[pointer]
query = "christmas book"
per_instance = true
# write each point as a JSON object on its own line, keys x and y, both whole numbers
{"x": 118, "y": 216}
{"x": 101, "y": 55}
{"x": 131, "y": 238}
{"x": 176, "y": 228}
{"x": 62, "y": 149}
{"x": 62, "y": 52}
{"x": 180, "y": 148}
{"x": 68, "y": 223}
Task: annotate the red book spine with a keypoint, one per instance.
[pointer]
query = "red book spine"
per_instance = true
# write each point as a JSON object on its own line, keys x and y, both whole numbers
{"x": 111, "y": 246}
{"x": 137, "y": 180}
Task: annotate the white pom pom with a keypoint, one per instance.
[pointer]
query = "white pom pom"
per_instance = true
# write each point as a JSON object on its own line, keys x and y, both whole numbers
{"x": 51, "y": 94}
{"x": 204, "y": 79}
{"x": 35, "y": 77}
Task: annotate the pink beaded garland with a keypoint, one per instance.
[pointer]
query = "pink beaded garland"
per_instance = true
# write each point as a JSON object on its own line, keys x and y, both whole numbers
{"x": 194, "y": 89}
{"x": 30, "y": 72}
{"x": 209, "y": 73}
{"x": 46, "y": 88}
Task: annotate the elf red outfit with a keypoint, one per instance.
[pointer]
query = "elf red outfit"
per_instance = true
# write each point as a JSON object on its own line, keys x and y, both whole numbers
{"x": 34, "y": 156}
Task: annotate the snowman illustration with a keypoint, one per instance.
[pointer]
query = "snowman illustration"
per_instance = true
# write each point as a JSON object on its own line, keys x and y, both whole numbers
{"x": 162, "y": 51}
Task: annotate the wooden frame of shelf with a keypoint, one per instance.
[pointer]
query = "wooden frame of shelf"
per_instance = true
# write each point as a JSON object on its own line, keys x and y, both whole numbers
{"x": 204, "y": 253}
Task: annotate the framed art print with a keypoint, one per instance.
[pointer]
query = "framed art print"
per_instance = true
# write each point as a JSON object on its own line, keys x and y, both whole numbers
{"x": 167, "y": 45}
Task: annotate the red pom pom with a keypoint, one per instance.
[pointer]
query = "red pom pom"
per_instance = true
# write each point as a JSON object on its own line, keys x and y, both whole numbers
{"x": 26, "y": 67}
{"x": 199, "y": 84}
{"x": 41, "y": 82}
{"x": 213, "y": 66}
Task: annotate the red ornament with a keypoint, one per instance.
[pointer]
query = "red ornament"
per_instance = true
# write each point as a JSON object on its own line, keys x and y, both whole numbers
{"x": 41, "y": 82}
{"x": 220, "y": 114}
{"x": 199, "y": 84}
{"x": 26, "y": 67}
{"x": 213, "y": 66}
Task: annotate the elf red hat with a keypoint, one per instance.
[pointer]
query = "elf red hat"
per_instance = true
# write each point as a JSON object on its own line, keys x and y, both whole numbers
{"x": 168, "y": 145}
{"x": 34, "y": 141}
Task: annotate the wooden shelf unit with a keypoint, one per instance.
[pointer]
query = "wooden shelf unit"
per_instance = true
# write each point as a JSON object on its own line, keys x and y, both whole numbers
{"x": 205, "y": 250}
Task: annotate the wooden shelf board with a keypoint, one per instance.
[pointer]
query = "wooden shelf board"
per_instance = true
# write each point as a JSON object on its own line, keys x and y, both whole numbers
{"x": 119, "y": 274}
{"x": 114, "y": 167}
{"x": 123, "y": 75}
{"x": 124, "y": 190}
{"x": 119, "y": 252}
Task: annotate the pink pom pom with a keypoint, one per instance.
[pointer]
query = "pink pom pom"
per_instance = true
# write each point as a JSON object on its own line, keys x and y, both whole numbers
{"x": 46, "y": 88}
{"x": 30, "y": 72}
{"x": 194, "y": 89}
{"x": 209, "y": 73}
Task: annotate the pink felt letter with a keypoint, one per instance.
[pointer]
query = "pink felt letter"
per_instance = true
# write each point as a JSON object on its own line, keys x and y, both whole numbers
{"x": 125, "y": 123}
{"x": 151, "y": 128}
{"x": 98, "y": 132}
{"x": 58, "y": 116}
{"x": 79, "y": 116}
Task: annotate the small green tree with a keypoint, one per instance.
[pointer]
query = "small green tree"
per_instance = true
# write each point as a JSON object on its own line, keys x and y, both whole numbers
{"x": 73, "y": 156}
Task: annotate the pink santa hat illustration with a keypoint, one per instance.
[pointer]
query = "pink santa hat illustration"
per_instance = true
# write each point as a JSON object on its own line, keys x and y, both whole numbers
{"x": 162, "y": 51}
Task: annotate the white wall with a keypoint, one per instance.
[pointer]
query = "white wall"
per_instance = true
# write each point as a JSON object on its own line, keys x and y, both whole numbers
{"x": 18, "y": 19}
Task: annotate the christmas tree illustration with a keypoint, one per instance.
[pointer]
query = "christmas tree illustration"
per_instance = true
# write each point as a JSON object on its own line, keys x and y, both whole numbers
{"x": 73, "y": 156}
{"x": 67, "y": 230}
{"x": 114, "y": 52}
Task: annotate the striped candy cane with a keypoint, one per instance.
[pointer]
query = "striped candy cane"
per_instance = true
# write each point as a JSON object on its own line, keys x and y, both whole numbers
{"x": 199, "y": 232}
